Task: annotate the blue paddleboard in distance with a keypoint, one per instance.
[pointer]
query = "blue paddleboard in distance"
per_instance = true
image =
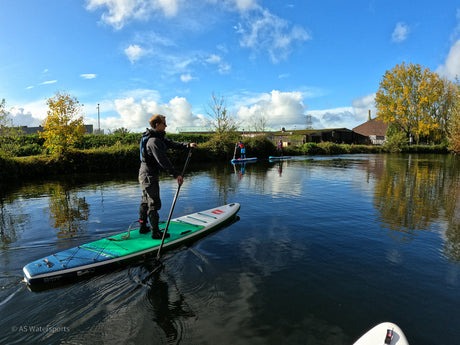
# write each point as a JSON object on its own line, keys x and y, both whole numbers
{"x": 243, "y": 160}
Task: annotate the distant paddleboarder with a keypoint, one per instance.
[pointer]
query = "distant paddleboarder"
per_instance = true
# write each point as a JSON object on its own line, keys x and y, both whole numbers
{"x": 280, "y": 148}
{"x": 240, "y": 145}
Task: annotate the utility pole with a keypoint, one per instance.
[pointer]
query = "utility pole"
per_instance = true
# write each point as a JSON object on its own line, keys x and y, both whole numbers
{"x": 98, "y": 121}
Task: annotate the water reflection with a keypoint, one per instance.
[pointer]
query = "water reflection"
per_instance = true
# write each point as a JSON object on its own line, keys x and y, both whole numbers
{"x": 167, "y": 313}
{"x": 413, "y": 193}
{"x": 67, "y": 210}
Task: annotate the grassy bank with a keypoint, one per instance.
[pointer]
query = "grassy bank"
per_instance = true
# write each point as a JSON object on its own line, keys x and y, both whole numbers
{"x": 125, "y": 157}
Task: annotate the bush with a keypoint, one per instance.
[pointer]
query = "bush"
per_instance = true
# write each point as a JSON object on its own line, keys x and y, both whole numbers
{"x": 220, "y": 146}
{"x": 29, "y": 150}
{"x": 259, "y": 146}
{"x": 331, "y": 148}
{"x": 397, "y": 142}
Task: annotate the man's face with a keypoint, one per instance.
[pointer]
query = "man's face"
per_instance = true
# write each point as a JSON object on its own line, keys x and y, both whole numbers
{"x": 161, "y": 126}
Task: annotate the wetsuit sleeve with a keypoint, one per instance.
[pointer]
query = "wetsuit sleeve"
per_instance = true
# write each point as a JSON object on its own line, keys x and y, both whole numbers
{"x": 158, "y": 150}
{"x": 175, "y": 145}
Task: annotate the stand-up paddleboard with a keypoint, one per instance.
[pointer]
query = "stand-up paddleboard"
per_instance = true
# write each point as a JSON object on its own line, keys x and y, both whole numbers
{"x": 243, "y": 160}
{"x": 385, "y": 333}
{"x": 88, "y": 258}
{"x": 274, "y": 158}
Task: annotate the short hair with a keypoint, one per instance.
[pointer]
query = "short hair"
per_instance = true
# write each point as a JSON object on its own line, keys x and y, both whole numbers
{"x": 156, "y": 119}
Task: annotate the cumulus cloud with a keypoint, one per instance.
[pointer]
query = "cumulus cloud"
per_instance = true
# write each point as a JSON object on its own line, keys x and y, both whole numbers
{"x": 279, "y": 109}
{"x": 451, "y": 68}
{"x": 400, "y": 32}
{"x": 134, "y": 114}
{"x": 31, "y": 114}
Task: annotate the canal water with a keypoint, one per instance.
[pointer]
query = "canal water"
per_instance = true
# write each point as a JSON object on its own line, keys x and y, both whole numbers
{"x": 324, "y": 248}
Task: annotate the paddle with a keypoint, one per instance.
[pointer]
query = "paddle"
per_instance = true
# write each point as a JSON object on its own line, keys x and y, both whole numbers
{"x": 174, "y": 203}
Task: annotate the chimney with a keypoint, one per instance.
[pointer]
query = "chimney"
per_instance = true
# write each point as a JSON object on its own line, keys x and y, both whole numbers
{"x": 369, "y": 115}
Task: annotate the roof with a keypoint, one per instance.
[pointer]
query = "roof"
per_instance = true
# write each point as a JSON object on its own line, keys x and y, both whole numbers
{"x": 308, "y": 131}
{"x": 372, "y": 127}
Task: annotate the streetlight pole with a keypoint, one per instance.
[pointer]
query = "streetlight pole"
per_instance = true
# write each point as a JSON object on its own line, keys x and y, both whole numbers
{"x": 98, "y": 121}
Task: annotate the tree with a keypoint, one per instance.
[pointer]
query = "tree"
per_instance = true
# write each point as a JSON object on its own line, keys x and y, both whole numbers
{"x": 63, "y": 127}
{"x": 260, "y": 122}
{"x": 416, "y": 100}
{"x": 8, "y": 133}
{"x": 454, "y": 125}
{"x": 219, "y": 120}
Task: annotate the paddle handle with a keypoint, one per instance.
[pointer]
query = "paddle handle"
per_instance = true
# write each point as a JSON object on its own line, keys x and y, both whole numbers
{"x": 174, "y": 203}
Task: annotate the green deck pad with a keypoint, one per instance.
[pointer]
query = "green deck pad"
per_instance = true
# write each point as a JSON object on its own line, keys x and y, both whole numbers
{"x": 115, "y": 246}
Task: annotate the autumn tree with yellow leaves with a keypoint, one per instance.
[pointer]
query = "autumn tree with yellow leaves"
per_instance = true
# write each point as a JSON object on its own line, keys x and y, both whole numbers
{"x": 454, "y": 125}
{"x": 63, "y": 127}
{"x": 419, "y": 102}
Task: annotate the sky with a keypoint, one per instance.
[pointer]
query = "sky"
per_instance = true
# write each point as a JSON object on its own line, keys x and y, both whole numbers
{"x": 293, "y": 63}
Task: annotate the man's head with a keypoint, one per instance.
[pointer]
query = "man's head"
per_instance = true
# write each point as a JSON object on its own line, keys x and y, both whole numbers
{"x": 157, "y": 122}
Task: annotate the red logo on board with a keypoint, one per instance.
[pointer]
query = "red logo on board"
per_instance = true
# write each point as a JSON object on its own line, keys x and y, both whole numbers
{"x": 218, "y": 212}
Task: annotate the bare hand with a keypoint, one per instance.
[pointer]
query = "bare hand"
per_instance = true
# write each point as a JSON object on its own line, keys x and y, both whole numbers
{"x": 192, "y": 145}
{"x": 180, "y": 180}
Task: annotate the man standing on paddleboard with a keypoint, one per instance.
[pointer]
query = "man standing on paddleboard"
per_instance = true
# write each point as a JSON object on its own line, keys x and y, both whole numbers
{"x": 154, "y": 158}
{"x": 242, "y": 149}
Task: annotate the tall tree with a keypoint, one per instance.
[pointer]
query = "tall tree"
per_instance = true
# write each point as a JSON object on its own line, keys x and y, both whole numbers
{"x": 63, "y": 127}
{"x": 454, "y": 125}
{"x": 416, "y": 100}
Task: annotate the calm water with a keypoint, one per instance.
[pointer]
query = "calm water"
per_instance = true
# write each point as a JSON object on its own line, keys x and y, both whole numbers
{"x": 324, "y": 249}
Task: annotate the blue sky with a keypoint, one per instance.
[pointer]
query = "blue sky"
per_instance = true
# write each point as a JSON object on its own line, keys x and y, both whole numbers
{"x": 277, "y": 60}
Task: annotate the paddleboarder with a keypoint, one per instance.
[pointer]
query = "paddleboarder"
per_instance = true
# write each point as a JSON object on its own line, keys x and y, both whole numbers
{"x": 280, "y": 148}
{"x": 154, "y": 158}
{"x": 242, "y": 149}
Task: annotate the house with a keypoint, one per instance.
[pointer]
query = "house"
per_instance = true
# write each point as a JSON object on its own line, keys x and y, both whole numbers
{"x": 374, "y": 129}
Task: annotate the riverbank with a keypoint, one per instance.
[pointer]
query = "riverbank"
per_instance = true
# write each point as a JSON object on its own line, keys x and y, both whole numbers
{"x": 125, "y": 158}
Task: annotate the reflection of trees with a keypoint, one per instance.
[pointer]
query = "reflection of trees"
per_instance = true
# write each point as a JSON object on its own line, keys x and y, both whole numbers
{"x": 451, "y": 203}
{"x": 10, "y": 224}
{"x": 67, "y": 210}
{"x": 414, "y": 191}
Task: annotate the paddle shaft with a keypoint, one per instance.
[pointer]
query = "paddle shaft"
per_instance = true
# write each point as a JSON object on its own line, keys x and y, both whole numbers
{"x": 174, "y": 203}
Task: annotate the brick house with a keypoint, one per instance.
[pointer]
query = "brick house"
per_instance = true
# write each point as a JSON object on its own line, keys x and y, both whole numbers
{"x": 374, "y": 129}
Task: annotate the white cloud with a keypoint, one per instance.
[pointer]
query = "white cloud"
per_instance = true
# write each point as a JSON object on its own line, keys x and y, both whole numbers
{"x": 120, "y": 12}
{"x": 31, "y": 114}
{"x": 88, "y": 75}
{"x": 400, "y": 32}
{"x": 264, "y": 31}
{"x": 134, "y": 52}
{"x": 334, "y": 118}
{"x": 288, "y": 110}
{"x": 186, "y": 78}
{"x": 49, "y": 82}
{"x": 135, "y": 114}
{"x": 451, "y": 68}
{"x": 361, "y": 107}
{"x": 280, "y": 109}
{"x": 223, "y": 67}
{"x": 245, "y": 5}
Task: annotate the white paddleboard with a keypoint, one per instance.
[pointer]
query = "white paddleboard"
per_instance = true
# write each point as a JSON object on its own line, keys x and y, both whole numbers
{"x": 383, "y": 334}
